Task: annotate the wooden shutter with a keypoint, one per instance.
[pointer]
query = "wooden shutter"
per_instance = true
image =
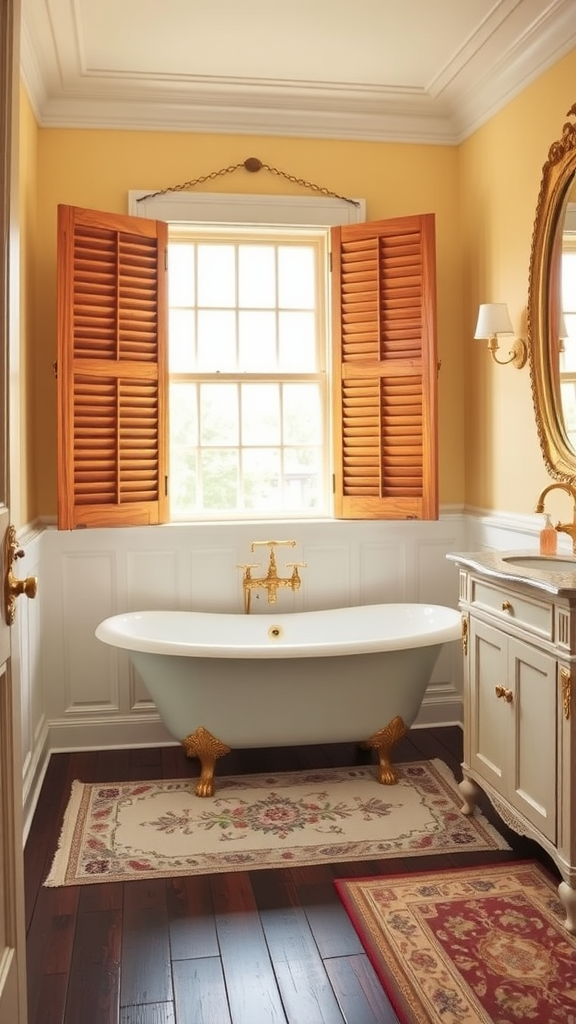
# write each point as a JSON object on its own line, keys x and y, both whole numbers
{"x": 385, "y": 369}
{"x": 112, "y": 421}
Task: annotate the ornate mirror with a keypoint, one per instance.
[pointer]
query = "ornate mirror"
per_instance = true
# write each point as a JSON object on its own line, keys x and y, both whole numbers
{"x": 552, "y": 307}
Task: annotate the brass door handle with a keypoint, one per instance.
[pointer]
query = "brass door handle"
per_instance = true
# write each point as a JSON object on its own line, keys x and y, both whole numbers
{"x": 501, "y": 691}
{"x": 13, "y": 586}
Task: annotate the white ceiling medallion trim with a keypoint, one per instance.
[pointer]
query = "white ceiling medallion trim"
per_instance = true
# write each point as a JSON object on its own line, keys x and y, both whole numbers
{"x": 230, "y": 208}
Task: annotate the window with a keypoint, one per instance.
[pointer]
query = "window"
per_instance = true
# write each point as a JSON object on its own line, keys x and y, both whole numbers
{"x": 113, "y": 375}
{"x": 247, "y": 370}
{"x": 567, "y": 333}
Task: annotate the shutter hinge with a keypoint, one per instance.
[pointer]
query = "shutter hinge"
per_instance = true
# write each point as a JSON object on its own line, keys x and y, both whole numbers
{"x": 166, "y": 258}
{"x": 330, "y": 262}
{"x": 166, "y": 486}
{"x": 438, "y": 367}
{"x": 333, "y": 483}
{"x": 55, "y": 369}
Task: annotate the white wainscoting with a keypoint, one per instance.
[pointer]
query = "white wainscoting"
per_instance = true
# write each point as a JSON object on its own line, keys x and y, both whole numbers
{"x": 77, "y": 693}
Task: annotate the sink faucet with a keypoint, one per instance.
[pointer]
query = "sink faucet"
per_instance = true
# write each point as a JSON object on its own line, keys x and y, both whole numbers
{"x": 271, "y": 581}
{"x": 569, "y": 528}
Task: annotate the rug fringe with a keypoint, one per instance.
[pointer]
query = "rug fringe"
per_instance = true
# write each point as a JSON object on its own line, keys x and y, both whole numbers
{"x": 57, "y": 873}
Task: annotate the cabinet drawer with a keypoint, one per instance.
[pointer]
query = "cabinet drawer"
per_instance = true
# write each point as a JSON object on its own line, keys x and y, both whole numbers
{"x": 509, "y": 606}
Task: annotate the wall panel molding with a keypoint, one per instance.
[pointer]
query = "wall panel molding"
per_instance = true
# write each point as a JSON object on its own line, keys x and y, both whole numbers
{"x": 80, "y": 694}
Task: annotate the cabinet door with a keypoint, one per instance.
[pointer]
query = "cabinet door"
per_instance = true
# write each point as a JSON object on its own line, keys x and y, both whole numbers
{"x": 532, "y": 786}
{"x": 489, "y": 728}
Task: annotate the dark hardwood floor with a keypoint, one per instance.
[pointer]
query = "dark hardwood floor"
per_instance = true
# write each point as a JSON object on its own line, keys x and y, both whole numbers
{"x": 256, "y": 947}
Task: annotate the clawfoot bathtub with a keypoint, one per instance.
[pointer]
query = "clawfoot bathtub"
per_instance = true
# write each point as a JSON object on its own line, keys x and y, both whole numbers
{"x": 344, "y": 675}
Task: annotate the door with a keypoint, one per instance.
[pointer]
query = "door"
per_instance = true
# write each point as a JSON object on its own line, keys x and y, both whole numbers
{"x": 12, "y": 937}
{"x": 532, "y": 790}
{"x": 490, "y": 733}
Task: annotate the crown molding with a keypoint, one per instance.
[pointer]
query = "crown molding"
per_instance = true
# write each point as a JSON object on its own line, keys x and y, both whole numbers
{"x": 510, "y": 49}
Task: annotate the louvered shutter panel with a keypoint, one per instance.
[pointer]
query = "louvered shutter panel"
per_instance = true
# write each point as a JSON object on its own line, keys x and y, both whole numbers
{"x": 112, "y": 422}
{"x": 385, "y": 369}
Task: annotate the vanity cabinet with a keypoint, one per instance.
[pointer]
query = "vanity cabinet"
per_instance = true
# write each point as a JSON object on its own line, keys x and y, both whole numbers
{"x": 519, "y": 652}
{"x": 511, "y": 740}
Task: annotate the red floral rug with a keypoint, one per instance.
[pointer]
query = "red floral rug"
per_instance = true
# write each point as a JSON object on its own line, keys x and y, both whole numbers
{"x": 483, "y": 945}
{"x": 122, "y": 830}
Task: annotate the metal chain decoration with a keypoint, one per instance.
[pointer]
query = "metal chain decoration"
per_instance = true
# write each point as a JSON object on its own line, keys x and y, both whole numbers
{"x": 252, "y": 164}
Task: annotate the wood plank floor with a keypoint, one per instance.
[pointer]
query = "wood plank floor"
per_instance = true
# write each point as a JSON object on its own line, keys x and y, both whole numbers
{"x": 255, "y": 947}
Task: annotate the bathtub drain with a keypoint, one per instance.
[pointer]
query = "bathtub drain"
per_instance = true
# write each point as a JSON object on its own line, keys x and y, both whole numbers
{"x": 275, "y": 632}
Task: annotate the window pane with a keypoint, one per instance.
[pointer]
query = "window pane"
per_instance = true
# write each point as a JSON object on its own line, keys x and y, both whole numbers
{"x": 181, "y": 347}
{"x": 296, "y": 277}
{"x": 302, "y": 414}
{"x": 569, "y": 281}
{"x": 257, "y": 342}
{"x": 256, "y": 276}
{"x": 183, "y": 473}
{"x": 181, "y": 275}
{"x": 260, "y": 414}
{"x": 216, "y": 342}
{"x": 183, "y": 414}
{"x": 216, "y": 275}
{"x": 568, "y": 393}
{"x": 220, "y": 479}
{"x": 261, "y": 478}
{"x": 183, "y": 450}
{"x": 302, "y": 479}
{"x": 296, "y": 333}
{"x": 219, "y": 414}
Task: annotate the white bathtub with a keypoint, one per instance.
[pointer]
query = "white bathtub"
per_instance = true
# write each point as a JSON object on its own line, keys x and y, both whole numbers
{"x": 347, "y": 674}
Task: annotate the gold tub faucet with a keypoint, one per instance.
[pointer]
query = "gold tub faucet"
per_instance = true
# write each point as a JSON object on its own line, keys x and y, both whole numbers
{"x": 569, "y": 528}
{"x": 271, "y": 581}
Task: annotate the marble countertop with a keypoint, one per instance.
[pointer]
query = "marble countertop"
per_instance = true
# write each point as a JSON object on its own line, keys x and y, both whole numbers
{"x": 561, "y": 581}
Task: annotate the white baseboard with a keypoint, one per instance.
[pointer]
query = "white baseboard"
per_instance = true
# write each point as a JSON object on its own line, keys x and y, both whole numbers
{"x": 33, "y": 777}
{"x": 439, "y": 711}
{"x": 93, "y": 734}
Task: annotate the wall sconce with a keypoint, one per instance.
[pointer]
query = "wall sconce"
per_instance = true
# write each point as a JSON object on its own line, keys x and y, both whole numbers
{"x": 494, "y": 319}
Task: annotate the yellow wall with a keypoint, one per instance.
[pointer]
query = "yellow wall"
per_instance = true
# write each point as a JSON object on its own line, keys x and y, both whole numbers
{"x": 96, "y": 169}
{"x": 500, "y": 171}
{"x": 483, "y": 194}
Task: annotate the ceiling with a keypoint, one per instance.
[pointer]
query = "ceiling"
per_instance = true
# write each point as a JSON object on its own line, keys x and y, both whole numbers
{"x": 401, "y": 70}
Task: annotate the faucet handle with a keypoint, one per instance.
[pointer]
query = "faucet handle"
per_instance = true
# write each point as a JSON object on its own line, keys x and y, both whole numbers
{"x": 272, "y": 543}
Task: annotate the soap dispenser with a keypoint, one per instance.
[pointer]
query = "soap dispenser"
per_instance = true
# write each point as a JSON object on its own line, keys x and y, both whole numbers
{"x": 548, "y": 537}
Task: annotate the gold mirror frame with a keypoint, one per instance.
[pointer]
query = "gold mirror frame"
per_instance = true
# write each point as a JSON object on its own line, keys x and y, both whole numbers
{"x": 543, "y": 338}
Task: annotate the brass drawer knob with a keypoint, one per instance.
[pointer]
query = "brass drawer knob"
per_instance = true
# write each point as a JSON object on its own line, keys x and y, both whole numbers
{"x": 501, "y": 691}
{"x": 506, "y": 606}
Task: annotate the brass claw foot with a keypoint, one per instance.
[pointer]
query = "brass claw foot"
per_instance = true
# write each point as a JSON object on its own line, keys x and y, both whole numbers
{"x": 383, "y": 741}
{"x": 207, "y": 748}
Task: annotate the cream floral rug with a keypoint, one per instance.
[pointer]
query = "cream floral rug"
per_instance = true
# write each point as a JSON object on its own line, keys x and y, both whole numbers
{"x": 125, "y": 830}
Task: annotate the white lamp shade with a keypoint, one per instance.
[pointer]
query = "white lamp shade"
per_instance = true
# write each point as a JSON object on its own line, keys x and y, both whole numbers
{"x": 493, "y": 318}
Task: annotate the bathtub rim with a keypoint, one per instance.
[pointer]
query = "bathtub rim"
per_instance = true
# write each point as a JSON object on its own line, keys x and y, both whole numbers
{"x": 113, "y": 632}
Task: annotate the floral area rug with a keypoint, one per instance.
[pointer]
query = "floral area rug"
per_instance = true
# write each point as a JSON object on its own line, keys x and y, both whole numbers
{"x": 468, "y": 946}
{"x": 124, "y": 830}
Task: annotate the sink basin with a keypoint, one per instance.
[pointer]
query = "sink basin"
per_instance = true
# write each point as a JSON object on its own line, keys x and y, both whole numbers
{"x": 543, "y": 562}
